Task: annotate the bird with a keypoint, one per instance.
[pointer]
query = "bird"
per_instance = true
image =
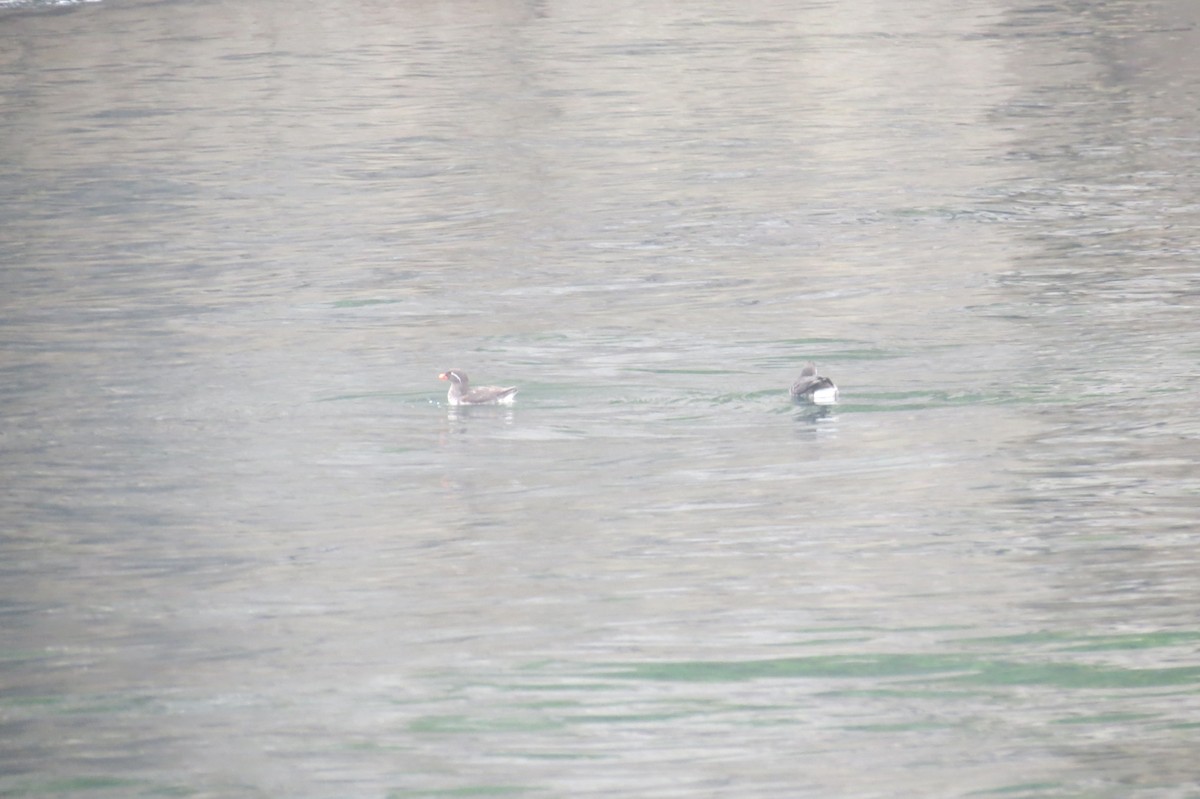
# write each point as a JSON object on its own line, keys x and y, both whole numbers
{"x": 812, "y": 387}
{"x": 461, "y": 393}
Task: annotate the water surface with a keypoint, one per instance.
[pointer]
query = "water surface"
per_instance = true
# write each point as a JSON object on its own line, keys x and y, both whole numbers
{"x": 247, "y": 549}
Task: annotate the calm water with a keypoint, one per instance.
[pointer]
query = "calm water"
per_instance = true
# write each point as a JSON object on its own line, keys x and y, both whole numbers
{"x": 246, "y": 549}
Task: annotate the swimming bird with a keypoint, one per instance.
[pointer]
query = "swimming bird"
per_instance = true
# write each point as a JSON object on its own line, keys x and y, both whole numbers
{"x": 461, "y": 392}
{"x": 812, "y": 387}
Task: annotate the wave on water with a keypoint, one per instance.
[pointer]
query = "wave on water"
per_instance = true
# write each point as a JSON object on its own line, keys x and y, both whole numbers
{"x": 34, "y": 5}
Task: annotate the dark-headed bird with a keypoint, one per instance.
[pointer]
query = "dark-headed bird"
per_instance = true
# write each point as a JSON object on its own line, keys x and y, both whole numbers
{"x": 812, "y": 387}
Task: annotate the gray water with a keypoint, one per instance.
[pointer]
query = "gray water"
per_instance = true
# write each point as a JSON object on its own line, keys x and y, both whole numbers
{"x": 248, "y": 551}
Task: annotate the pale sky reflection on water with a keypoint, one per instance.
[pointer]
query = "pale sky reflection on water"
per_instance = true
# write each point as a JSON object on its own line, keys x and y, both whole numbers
{"x": 248, "y": 550}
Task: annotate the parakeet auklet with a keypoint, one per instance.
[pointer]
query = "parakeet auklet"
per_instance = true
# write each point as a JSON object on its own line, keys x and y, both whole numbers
{"x": 461, "y": 392}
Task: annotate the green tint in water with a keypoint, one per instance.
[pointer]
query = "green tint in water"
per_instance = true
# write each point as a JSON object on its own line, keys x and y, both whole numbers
{"x": 468, "y": 790}
{"x": 462, "y": 724}
{"x": 959, "y": 669}
{"x": 1099, "y": 643}
{"x": 786, "y": 668}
